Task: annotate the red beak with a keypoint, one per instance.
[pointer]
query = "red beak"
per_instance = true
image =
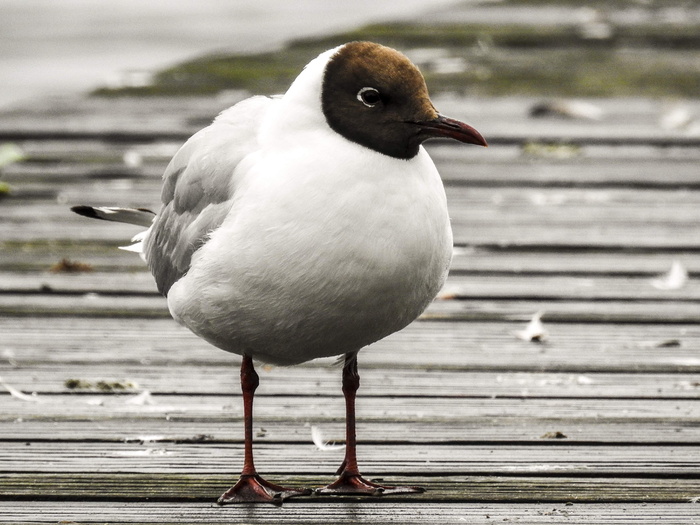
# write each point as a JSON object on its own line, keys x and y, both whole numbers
{"x": 454, "y": 129}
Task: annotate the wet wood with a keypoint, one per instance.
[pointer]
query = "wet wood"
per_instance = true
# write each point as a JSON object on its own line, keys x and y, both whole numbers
{"x": 108, "y": 409}
{"x": 310, "y": 408}
{"x": 378, "y": 459}
{"x": 342, "y": 512}
{"x": 40, "y": 256}
{"x": 183, "y": 378}
{"x": 458, "y": 286}
{"x": 482, "y": 217}
{"x": 204, "y": 487}
{"x": 463, "y": 346}
{"x": 492, "y": 429}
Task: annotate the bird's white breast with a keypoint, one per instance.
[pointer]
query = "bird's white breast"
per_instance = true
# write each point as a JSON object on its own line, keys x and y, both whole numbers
{"x": 322, "y": 254}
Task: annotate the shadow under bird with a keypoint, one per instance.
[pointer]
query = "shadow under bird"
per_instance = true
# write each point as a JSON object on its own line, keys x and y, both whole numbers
{"x": 306, "y": 225}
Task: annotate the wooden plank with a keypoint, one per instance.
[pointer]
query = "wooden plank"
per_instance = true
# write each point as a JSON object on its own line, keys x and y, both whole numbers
{"x": 491, "y": 216}
{"x": 616, "y": 167}
{"x": 470, "y": 346}
{"x": 90, "y": 304}
{"x": 563, "y": 166}
{"x": 492, "y": 309}
{"x": 463, "y": 402}
{"x": 69, "y": 149}
{"x": 100, "y": 117}
{"x": 95, "y": 111}
{"x": 521, "y": 129}
{"x": 196, "y": 378}
{"x": 482, "y": 206}
{"x": 489, "y": 429}
{"x": 298, "y": 512}
{"x": 490, "y": 228}
{"x": 556, "y": 205}
{"x": 307, "y": 407}
{"x": 448, "y": 489}
{"x": 581, "y": 263}
{"x": 502, "y": 120}
{"x": 607, "y": 169}
{"x": 615, "y": 236}
{"x": 39, "y": 255}
{"x": 562, "y": 287}
{"x": 30, "y": 217}
{"x": 678, "y": 235}
{"x": 460, "y": 286}
{"x": 60, "y": 154}
{"x": 126, "y": 283}
{"x": 378, "y": 459}
{"x": 38, "y": 179}
{"x": 564, "y": 311}
{"x": 512, "y": 134}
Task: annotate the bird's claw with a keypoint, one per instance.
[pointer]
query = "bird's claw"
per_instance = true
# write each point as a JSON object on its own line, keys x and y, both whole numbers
{"x": 251, "y": 488}
{"x": 355, "y": 484}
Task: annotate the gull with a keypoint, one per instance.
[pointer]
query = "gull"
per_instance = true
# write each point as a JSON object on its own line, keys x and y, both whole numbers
{"x": 306, "y": 225}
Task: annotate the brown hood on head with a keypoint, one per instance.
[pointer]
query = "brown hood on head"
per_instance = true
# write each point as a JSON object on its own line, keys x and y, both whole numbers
{"x": 374, "y": 96}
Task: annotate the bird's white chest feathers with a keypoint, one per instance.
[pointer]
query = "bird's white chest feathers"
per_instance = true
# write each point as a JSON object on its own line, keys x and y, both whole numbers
{"x": 325, "y": 251}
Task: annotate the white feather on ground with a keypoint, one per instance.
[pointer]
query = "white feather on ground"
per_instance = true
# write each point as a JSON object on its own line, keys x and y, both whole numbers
{"x": 534, "y": 331}
{"x": 320, "y": 442}
{"x": 674, "y": 279}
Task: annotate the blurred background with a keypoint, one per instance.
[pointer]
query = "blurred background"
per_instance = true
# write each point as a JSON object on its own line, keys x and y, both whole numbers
{"x": 48, "y": 47}
{"x": 509, "y": 47}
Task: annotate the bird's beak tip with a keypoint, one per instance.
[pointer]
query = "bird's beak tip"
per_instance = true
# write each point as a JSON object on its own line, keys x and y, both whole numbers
{"x": 443, "y": 126}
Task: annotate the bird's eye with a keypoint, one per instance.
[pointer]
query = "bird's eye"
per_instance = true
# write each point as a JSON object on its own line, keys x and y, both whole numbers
{"x": 369, "y": 96}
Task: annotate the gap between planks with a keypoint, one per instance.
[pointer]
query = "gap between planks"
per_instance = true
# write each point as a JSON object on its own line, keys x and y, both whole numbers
{"x": 446, "y": 489}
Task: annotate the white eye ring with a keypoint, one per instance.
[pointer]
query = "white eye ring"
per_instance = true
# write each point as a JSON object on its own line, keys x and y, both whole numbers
{"x": 369, "y": 96}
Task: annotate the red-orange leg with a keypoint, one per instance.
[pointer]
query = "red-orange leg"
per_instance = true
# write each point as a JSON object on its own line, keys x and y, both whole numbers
{"x": 350, "y": 481}
{"x": 251, "y": 487}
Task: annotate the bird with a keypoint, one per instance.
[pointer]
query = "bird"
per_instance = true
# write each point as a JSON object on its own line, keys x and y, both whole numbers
{"x": 306, "y": 225}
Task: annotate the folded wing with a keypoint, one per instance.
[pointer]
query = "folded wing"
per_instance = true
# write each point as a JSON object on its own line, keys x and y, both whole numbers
{"x": 198, "y": 189}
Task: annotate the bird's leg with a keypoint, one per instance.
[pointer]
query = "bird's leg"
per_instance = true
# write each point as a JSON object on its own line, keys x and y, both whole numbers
{"x": 350, "y": 481}
{"x": 251, "y": 487}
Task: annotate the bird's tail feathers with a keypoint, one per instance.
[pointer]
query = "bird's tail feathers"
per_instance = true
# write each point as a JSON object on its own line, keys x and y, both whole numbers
{"x": 137, "y": 216}
{"x": 137, "y": 246}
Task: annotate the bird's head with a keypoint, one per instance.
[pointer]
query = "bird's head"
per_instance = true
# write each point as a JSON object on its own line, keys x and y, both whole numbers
{"x": 375, "y": 96}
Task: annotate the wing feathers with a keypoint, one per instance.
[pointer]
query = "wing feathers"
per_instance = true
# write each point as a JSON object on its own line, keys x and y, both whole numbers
{"x": 198, "y": 188}
{"x": 197, "y": 195}
{"x": 137, "y": 216}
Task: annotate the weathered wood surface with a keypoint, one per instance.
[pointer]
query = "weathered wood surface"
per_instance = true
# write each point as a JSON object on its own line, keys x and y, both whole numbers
{"x": 463, "y": 345}
{"x": 325, "y": 512}
{"x": 453, "y": 489}
{"x": 111, "y": 413}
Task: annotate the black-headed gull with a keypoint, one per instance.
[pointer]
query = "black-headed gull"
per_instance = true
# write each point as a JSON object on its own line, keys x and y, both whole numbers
{"x": 304, "y": 226}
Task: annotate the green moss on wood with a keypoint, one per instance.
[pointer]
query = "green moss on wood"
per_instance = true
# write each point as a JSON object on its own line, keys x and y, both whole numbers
{"x": 511, "y": 59}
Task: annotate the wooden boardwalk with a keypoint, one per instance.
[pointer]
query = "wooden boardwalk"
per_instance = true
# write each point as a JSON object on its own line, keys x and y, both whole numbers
{"x": 111, "y": 413}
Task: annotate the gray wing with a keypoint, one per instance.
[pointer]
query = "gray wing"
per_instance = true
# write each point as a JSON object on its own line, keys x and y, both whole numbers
{"x": 198, "y": 189}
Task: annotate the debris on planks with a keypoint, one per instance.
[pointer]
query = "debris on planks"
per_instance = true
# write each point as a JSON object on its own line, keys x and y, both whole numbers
{"x": 65, "y": 265}
{"x": 534, "y": 331}
{"x": 675, "y": 279}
